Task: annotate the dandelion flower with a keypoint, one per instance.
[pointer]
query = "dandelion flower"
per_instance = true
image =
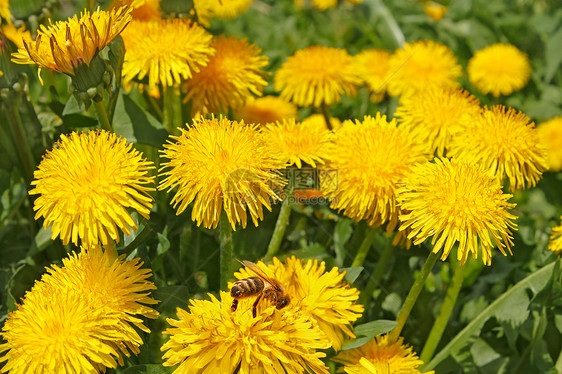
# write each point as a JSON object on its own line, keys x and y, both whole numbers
{"x": 267, "y": 109}
{"x": 432, "y": 115}
{"x": 5, "y": 10}
{"x": 79, "y": 318}
{"x": 220, "y": 9}
{"x": 230, "y": 78}
{"x": 379, "y": 356}
{"x": 221, "y": 164}
{"x": 165, "y": 51}
{"x": 550, "y": 136}
{"x": 307, "y": 80}
{"x": 505, "y": 142}
{"x": 373, "y": 67}
{"x": 210, "y": 338}
{"x": 64, "y": 45}
{"x": 324, "y": 4}
{"x": 371, "y": 157}
{"x": 298, "y": 143}
{"x": 318, "y": 121}
{"x": 16, "y": 35}
{"x": 142, "y": 10}
{"x": 323, "y": 297}
{"x": 87, "y": 183}
{"x": 499, "y": 69}
{"x": 435, "y": 10}
{"x": 455, "y": 201}
{"x": 555, "y": 244}
{"x": 420, "y": 65}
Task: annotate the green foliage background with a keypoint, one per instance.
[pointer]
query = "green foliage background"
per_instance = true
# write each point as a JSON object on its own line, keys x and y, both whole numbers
{"x": 508, "y": 317}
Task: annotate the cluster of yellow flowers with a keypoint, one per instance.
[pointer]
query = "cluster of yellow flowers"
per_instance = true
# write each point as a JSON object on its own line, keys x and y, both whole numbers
{"x": 435, "y": 171}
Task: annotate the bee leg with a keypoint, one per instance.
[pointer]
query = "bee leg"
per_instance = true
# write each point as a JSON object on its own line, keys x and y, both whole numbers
{"x": 255, "y": 306}
{"x": 234, "y": 305}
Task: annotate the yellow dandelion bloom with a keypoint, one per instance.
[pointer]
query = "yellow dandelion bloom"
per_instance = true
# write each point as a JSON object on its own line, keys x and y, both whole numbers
{"x": 221, "y": 164}
{"x": 550, "y": 136}
{"x": 318, "y": 121}
{"x": 16, "y": 35}
{"x": 373, "y": 67}
{"x": 220, "y": 9}
{"x": 324, "y": 4}
{"x": 5, "y": 10}
{"x": 371, "y": 158}
{"x": 379, "y": 356}
{"x": 420, "y": 65}
{"x": 435, "y": 10}
{"x": 142, "y": 10}
{"x": 165, "y": 51}
{"x": 432, "y": 115}
{"x": 324, "y": 297}
{"x": 307, "y": 80}
{"x": 505, "y": 142}
{"x": 79, "y": 318}
{"x": 499, "y": 69}
{"x": 87, "y": 183}
{"x": 555, "y": 244}
{"x": 219, "y": 340}
{"x": 455, "y": 201}
{"x": 232, "y": 76}
{"x": 64, "y": 45}
{"x": 267, "y": 109}
{"x": 298, "y": 143}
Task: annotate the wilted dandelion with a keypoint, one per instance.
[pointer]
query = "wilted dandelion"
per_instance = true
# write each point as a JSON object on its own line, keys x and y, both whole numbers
{"x": 499, "y": 69}
{"x": 64, "y": 45}
{"x": 550, "y": 136}
{"x": 373, "y": 67}
{"x": 454, "y": 201}
{"x": 79, "y": 318}
{"x": 219, "y": 340}
{"x": 555, "y": 244}
{"x": 371, "y": 158}
{"x": 221, "y": 164}
{"x": 232, "y": 76}
{"x": 267, "y": 109}
{"x": 505, "y": 143}
{"x": 379, "y": 356}
{"x": 165, "y": 51}
{"x": 324, "y": 297}
{"x": 298, "y": 143}
{"x": 307, "y": 80}
{"x": 419, "y": 65}
{"x": 86, "y": 185}
{"x": 432, "y": 115}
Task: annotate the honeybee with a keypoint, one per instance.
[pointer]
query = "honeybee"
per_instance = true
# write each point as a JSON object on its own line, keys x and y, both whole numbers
{"x": 261, "y": 286}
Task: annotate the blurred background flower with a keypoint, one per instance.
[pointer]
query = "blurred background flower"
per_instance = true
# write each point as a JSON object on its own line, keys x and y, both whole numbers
{"x": 267, "y": 109}
{"x": 373, "y": 67}
{"x": 550, "y": 137}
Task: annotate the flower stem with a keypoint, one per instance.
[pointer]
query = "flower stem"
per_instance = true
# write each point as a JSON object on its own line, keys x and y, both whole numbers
{"x": 168, "y": 113}
{"x": 18, "y": 132}
{"x": 326, "y": 113}
{"x": 364, "y": 248}
{"x": 226, "y": 249}
{"x": 440, "y": 323}
{"x": 102, "y": 115}
{"x": 377, "y": 274}
{"x": 412, "y": 297}
{"x": 111, "y": 250}
{"x": 280, "y": 226}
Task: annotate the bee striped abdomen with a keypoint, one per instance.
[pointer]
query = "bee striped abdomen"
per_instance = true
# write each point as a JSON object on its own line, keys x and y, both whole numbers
{"x": 247, "y": 287}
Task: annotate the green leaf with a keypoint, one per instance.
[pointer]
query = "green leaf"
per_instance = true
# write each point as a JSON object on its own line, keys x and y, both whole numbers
{"x": 553, "y": 54}
{"x": 483, "y": 353}
{"x": 136, "y": 124}
{"x": 368, "y": 331}
{"x": 148, "y": 369}
{"x": 342, "y": 233}
{"x": 352, "y": 273}
{"x": 533, "y": 282}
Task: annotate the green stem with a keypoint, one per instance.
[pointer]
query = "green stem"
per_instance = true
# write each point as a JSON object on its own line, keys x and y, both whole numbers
{"x": 226, "y": 249}
{"x": 412, "y": 297}
{"x": 18, "y": 131}
{"x": 153, "y": 105}
{"x": 440, "y": 323}
{"x": 326, "y": 113}
{"x": 102, "y": 115}
{"x": 377, "y": 274}
{"x": 364, "y": 248}
{"x": 280, "y": 226}
{"x": 168, "y": 114}
{"x": 111, "y": 250}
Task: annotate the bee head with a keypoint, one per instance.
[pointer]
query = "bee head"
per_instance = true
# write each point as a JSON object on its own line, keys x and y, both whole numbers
{"x": 283, "y": 302}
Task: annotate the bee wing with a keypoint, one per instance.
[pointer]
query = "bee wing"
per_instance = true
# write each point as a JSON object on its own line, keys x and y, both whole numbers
{"x": 260, "y": 273}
